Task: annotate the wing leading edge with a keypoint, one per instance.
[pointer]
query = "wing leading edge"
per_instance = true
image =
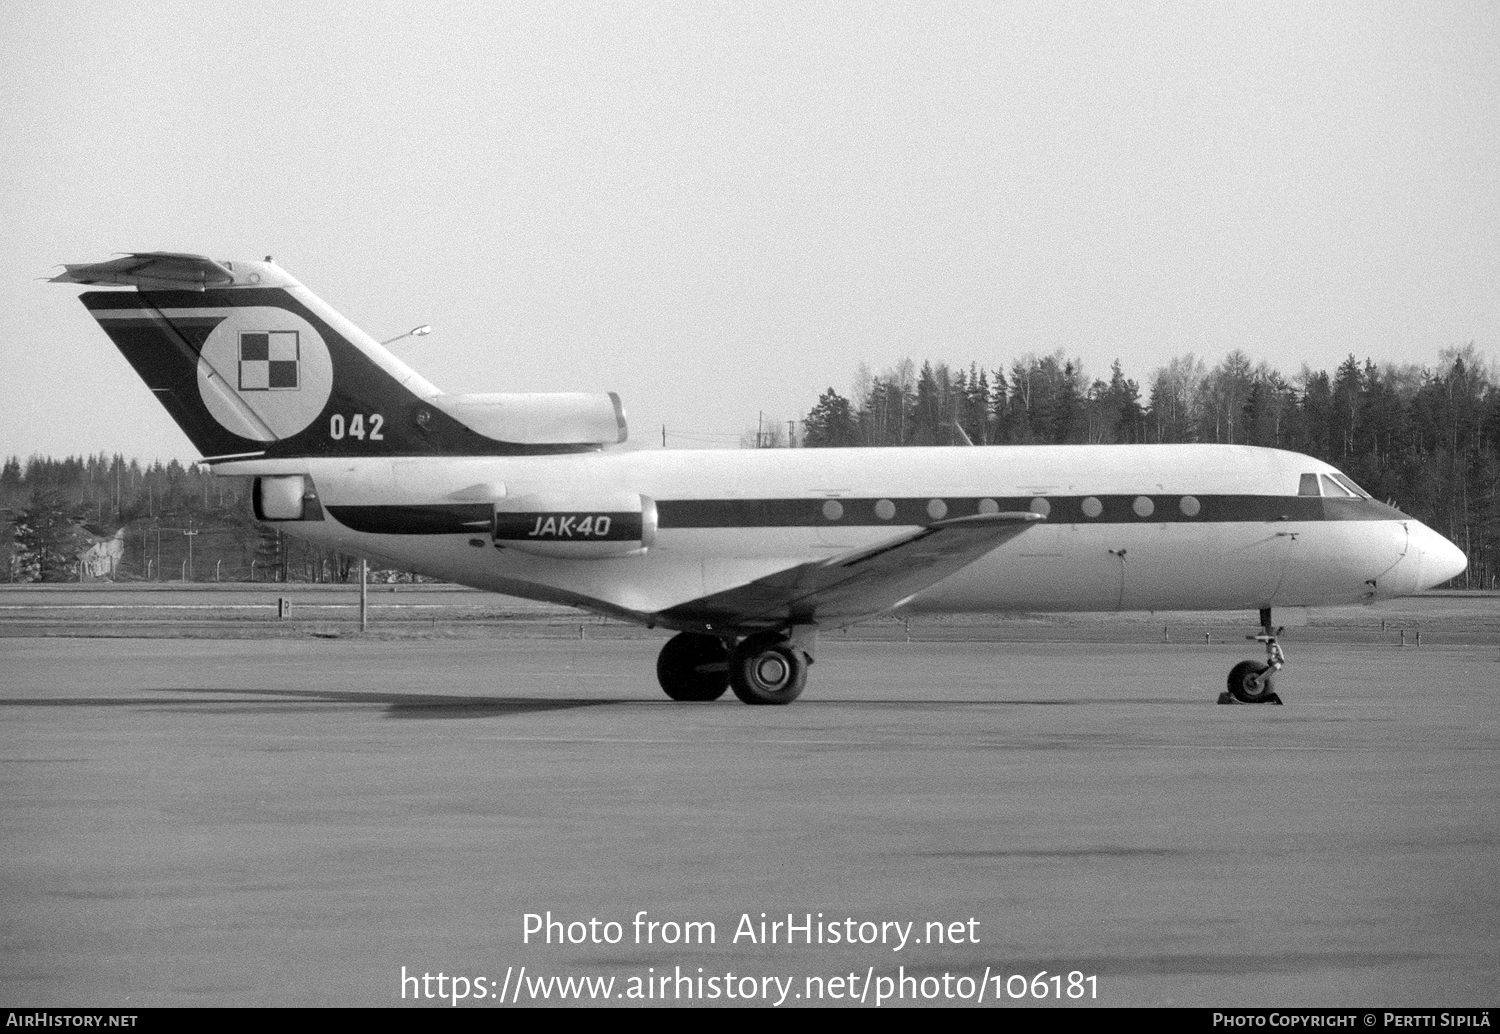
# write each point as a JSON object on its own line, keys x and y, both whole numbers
{"x": 856, "y": 585}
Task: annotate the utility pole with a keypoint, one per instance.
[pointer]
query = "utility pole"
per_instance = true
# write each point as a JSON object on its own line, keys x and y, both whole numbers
{"x": 364, "y": 596}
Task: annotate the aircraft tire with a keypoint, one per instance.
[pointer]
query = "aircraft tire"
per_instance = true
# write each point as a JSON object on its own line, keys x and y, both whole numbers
{"x": 766, "y": 669}
{"x": 1241, "y": 688}
{"x": 680, "y": 667}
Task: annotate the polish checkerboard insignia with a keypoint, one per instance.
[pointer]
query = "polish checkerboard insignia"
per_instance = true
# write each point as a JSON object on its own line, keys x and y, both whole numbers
{"x": 264, "y": 371}
{"x": 270, "y": 360}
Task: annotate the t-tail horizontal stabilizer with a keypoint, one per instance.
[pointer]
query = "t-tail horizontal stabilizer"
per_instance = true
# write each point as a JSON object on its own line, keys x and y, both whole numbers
{"x": 152, "y": 270}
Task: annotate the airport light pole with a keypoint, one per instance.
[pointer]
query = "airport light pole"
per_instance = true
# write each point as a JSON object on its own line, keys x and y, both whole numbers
{"x": 421, "y": 331}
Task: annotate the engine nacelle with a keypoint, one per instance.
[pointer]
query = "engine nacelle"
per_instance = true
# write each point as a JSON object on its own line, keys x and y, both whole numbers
{"x": 577, "y": 526}
{"x": 289, "y": 497}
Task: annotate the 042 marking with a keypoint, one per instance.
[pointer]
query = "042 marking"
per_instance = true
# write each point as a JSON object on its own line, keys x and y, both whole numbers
{"x": 357, "y": 426}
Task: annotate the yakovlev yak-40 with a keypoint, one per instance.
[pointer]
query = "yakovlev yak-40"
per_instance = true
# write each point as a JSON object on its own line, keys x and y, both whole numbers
{"x": 747, "y": 555}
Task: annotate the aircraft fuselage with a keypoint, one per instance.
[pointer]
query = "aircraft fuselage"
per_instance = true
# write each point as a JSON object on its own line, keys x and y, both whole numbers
{"x": 1124, "y": 527}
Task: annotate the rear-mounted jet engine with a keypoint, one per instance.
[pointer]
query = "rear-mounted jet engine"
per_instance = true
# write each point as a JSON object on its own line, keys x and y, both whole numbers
{"x": 286, "y": 498}
{"x": 592, "y": 526}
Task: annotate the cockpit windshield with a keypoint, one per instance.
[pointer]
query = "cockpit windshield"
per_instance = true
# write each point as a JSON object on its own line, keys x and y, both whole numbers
{"x": 1330, "y": 486}
{"x": 1348, "y": 484}
{"x": 1334, "y": 490}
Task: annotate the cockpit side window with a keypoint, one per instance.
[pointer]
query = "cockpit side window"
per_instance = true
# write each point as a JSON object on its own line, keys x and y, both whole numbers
{"x": 1308, "y": 485}
{"x": 1335, "y": 490}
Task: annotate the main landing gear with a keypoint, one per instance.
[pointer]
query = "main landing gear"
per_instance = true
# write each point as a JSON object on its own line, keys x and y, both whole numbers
{"x": 693, "y": 667}
{"x": 1251, "y": 682}
{"x": 766, "y": 668}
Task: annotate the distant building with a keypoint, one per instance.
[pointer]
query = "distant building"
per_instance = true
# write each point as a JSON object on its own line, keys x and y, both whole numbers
{"x": 102, "y": 557}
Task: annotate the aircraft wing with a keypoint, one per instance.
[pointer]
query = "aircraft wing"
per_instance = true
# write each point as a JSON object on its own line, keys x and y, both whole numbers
{"x": 854, "y": 585}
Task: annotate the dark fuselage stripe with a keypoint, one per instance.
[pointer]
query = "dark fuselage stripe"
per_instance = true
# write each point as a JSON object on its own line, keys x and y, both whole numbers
{"x": 466, "y": 518}
{"x": 436, "y": 519}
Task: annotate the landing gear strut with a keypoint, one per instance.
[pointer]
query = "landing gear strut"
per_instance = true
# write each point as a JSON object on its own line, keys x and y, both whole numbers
{"x": 1251, "y": 682}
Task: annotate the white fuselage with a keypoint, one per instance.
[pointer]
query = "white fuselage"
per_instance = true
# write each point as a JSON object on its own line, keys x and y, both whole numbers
{"x": 1127, "y": 527}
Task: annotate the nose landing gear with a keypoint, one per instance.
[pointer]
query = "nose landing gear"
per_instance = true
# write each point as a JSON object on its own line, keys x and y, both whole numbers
{"x": 1251, "y": 682}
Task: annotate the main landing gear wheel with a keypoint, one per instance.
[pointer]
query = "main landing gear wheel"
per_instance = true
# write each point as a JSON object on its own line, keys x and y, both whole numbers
{"x": 1251, "y": 682}
{"x": 767, "y": 669}
{"x": 693, "y": 667}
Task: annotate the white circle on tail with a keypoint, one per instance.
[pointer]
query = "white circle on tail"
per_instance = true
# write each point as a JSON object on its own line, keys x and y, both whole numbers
{"x": 264, "y": 373}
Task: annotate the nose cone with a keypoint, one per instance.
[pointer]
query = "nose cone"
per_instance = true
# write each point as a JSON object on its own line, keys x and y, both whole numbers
{"x": 1441, "y": 559}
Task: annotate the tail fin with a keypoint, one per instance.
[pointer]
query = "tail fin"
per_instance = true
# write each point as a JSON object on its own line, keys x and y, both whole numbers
{"x": 252, "y": 364}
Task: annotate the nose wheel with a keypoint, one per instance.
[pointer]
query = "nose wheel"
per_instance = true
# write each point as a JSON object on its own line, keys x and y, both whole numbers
{"x": 1253, "y": 682}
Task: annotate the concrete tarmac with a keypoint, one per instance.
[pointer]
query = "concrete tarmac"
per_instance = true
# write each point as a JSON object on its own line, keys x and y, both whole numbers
{"x": 292, "y": 822}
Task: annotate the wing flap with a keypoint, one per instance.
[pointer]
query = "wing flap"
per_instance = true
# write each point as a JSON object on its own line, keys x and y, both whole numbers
{"x": 854, "y": 585}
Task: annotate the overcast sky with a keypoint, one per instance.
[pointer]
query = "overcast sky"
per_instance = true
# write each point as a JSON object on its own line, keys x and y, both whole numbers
{"x": 718, "y": 209}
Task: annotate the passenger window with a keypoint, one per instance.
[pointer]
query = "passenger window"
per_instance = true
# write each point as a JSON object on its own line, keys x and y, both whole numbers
{"x": 1308, "y": 485}
{"x": 1334, "y": 489}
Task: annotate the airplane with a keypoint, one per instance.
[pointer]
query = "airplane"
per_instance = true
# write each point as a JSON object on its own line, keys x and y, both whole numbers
{"x": 747, "y": 555}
